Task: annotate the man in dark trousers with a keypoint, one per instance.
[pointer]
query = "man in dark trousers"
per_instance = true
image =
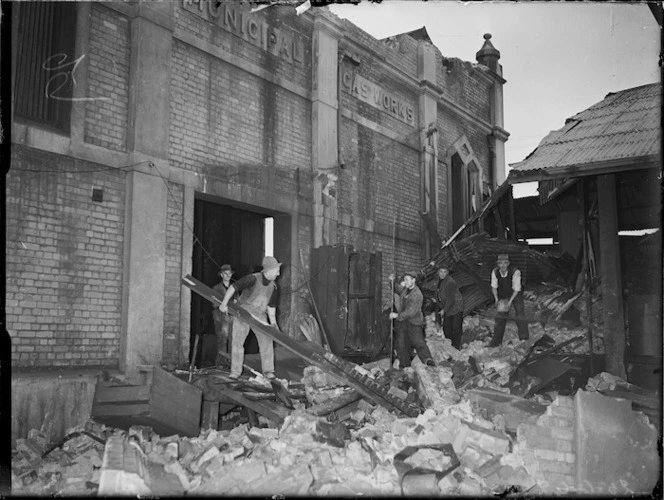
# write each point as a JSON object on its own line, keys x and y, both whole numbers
{"x": 506, "y": 288}
{"x": 222, "y": 321}
{"x": 258, "y": 296}
{"x": 450, "y": 306}
{"x": 408, "y": 321}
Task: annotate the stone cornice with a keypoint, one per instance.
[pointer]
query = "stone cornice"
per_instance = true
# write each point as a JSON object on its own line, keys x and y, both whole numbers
{"x": 430, "y": 89}
{"x": 489, "y": 74}
{"x": 325, "y": 23}
{"x": 500, "y": 133}
{"x": 144, "y": 10}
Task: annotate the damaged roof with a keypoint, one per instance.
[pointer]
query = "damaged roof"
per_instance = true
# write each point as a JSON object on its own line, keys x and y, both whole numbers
{"x": 622, "y": 130}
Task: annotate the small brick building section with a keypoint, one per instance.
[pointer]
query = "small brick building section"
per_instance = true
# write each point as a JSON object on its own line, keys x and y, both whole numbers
{"x": 548, "y": 449}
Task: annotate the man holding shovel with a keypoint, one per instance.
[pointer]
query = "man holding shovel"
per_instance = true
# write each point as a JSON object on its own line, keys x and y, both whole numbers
{"x": 506, "y": 288}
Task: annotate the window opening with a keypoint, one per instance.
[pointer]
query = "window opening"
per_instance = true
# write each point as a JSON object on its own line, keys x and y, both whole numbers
{"x": 44, "y": 62}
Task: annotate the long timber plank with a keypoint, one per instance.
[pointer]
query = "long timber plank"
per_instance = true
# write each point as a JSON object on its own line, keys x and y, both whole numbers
{"x": 312, "y": 353}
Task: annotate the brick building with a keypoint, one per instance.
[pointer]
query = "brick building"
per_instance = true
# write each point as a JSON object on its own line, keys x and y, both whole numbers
{"x": 151, "y": 140}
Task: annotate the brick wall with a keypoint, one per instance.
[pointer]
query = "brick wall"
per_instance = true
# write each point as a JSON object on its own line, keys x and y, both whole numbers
{"x": 381, "y": 178}
{"x": 108, "y": 79}
{"x": 64, "y": 261}
{"x": 260, "y": 124}
{"x": 257, "y": 124}
{"x": 172, "y": 286}
{"x": 463, "y": 83}
{"x": 548, "y": 448}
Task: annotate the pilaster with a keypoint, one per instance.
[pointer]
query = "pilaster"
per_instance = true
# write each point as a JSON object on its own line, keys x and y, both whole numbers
{"x": 325, "y": 128}
{"x": 428, "y": 119}
{"x": 145, "y": 215}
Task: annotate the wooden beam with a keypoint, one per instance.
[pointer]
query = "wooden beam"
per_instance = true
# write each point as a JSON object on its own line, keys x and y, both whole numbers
{"x": 614, "y": 320}
{"x": 430, "y": 224}
{"x": 512, "y": 221}
{"x": 274, "y": 412}
{"x": 500, "y": 227}
{"x": 331, "y": 405}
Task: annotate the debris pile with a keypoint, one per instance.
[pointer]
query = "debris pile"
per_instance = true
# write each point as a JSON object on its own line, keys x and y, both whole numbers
{"x": 71, "y": 467}
{"x": 491, "y": 422}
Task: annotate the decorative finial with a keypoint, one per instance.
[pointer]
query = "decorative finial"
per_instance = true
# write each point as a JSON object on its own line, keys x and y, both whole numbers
{"x": 488, "y": 55}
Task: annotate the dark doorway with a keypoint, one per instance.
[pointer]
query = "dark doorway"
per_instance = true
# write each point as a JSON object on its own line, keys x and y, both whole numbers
{"x": 223, "y": 234}
{"x": 456, "y": 191}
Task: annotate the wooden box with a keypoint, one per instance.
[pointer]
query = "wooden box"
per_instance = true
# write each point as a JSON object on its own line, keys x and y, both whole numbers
{"x": 162, "y": 401}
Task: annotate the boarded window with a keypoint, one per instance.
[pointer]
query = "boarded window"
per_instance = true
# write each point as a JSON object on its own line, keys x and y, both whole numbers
{"x": 45, "y": 62}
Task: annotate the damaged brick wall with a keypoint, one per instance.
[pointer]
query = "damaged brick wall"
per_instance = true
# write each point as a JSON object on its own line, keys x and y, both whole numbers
{"x": 548, "y": 448}
{"x": 64, "y": 260}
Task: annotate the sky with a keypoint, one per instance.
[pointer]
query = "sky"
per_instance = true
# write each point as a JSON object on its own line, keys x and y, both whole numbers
{"x": 558, "y": 58}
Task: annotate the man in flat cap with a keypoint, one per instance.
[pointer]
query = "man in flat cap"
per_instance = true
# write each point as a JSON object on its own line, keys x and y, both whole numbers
{"x": 222, "y": 322}
{"x": 409, "y": 320}
{"x": 449, "y": 302}
{"x": 506, "y": 288}
{"x": 258, "y": 295}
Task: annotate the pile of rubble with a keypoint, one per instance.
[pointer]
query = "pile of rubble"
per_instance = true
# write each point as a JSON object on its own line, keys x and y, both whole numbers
{"x": 473, "y": 437}
{"x": 307, "y": 456}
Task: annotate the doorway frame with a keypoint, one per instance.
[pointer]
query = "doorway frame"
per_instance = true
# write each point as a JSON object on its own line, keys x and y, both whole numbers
{"x": 257, "y": 201}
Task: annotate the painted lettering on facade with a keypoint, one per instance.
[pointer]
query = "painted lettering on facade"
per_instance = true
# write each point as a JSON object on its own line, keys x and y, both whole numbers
{"x": 240, "y": 22}
{"x": 374, "y": 95}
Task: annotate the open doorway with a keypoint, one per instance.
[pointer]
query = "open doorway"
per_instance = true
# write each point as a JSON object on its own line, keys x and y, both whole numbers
{"x": 456, "y": 190}
{"x": 228, "y": 233}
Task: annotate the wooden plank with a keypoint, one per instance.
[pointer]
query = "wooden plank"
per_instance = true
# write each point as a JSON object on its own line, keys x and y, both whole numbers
{"x": 334, "y": 404}
{"x": 210, "y": 415}
{"x": 118, "y": 410}
{"x": 274, "y": 412}
{"x": 612, "y": 297}
{"x": 168, "y": 403}
{"x": 178, "y": 401}
{"x": 121, "y": 394}
{"x": 313, "y": 353}
{"x": 341, "y": 306}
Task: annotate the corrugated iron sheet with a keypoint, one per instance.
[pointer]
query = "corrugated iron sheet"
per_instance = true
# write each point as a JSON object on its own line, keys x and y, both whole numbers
{"x": 473, "y": 258}
{"x": 625, "y": 124}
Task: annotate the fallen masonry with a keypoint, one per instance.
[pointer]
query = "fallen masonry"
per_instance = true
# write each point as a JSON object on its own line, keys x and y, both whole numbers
{"x": 478, "y": 441}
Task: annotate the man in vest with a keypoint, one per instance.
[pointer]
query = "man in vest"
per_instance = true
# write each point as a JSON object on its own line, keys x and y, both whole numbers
{"x": 259, "y": 297}
{"x": 222, "y": 322}
{"x": 409, "y": 321}
{"x": 449, "y": 302}
{"x": 506, "y": 288}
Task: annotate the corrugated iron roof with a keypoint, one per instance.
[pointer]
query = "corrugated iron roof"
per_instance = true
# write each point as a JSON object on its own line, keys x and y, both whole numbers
{"x": 626, "y": 124}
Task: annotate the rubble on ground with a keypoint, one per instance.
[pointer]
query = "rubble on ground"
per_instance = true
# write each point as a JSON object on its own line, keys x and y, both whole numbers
{"x": 473, "y": 437}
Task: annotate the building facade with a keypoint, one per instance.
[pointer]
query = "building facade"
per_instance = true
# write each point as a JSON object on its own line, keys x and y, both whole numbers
{"x": 151, "y": 140}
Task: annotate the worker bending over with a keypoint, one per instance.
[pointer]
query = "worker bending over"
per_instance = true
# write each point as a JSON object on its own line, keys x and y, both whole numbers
{"x": 506, "y": 288}
{"x": 409, "y": 320}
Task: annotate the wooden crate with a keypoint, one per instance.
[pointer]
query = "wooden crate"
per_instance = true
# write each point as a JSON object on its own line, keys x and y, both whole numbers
{"x": 162, "y": 401}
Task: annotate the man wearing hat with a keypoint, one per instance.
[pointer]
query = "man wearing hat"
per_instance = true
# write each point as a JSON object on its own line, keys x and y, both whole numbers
{"x": 409, "y": 320}
{"x": 450, "y": 305}
{"x": 506, "y": 288}
{"x": 222, "y": 322}
{"x": 258, "y": 295}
